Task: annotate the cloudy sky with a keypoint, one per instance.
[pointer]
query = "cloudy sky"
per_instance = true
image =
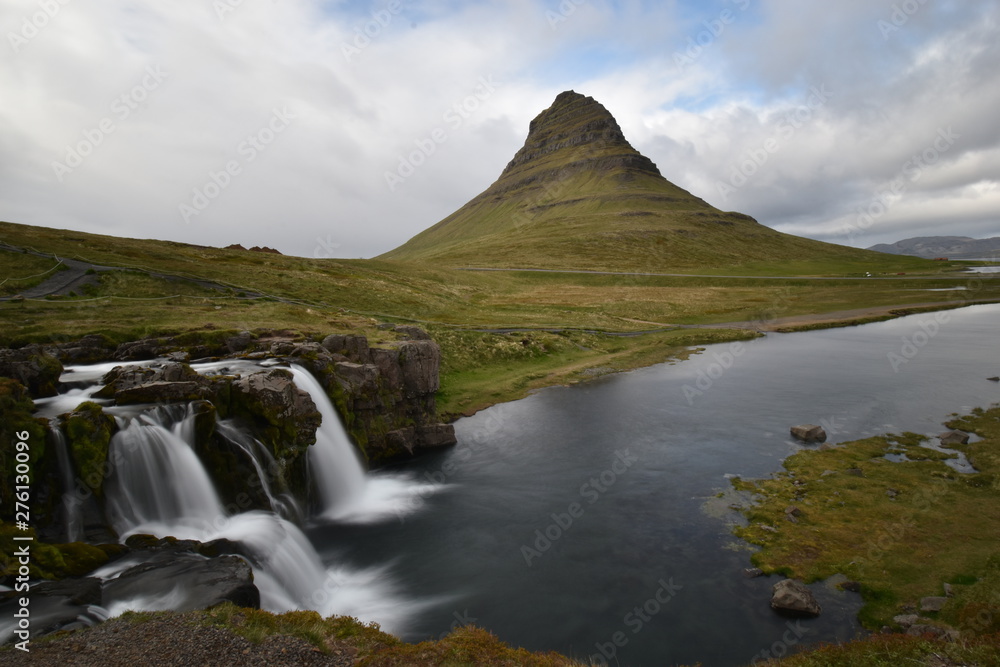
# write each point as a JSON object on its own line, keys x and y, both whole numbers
{"x": 342, "y": 128}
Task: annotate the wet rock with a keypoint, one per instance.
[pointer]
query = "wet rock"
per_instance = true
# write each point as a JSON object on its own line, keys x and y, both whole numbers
{"x": 83, "y": 591}
{"x": 191, "y": 581}
{"x": 283, "y": 415}
{"x": 794, "y": 598}
{"x": 809, "y": 433}
{"x": 949, "y": 438}
{"x": 932, "y": 604}
{"x": 994, "y": 379}
{"x": 33, "y": 367}
{"x": 753, "y": 572}
{"x": 171, "y": 382}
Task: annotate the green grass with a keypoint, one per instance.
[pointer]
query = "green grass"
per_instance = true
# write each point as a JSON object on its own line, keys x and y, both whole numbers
{"x": 317, "y": 296}
{"x": 940, "y": 526}
{"x": 21, "y": 271}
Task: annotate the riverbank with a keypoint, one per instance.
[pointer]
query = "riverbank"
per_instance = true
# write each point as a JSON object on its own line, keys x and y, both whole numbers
{"x": 916, "y": 537}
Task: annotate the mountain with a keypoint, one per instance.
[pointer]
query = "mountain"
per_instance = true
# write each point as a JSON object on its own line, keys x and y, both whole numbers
{"x": 952, "y": 247}
{"x": 577, "y": 195}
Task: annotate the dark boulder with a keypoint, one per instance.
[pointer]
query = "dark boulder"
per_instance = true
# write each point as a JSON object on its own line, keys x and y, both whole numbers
{"x": 794, "y": 598}
{"x": 809, "y": 433}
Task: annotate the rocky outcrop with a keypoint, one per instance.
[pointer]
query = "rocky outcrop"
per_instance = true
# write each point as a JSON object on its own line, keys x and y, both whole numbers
{"x": 171, "y": 382}
{"x": 283, "y": 416}
{"x": 809, "y": 433}
{"x": 33, "y": 367}
{"x": 794, "y": 598}
{"x": 190, "y": 574}
{"x": 192, "y": 581}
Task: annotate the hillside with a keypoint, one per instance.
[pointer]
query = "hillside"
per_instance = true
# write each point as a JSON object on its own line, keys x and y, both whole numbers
{"x": 577, "y": 195}
{"x": 952, "y": 247}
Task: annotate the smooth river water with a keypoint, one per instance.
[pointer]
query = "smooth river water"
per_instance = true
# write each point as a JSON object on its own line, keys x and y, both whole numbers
{"x": 578, "y": 516}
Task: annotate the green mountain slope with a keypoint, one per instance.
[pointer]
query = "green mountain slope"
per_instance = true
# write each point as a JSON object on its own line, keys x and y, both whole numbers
{"x": 578, "y": 196}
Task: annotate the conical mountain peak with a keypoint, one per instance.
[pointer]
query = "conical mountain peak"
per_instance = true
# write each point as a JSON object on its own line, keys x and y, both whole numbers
{"x": 577, "y": 195}
{"x": 575, "y": 130}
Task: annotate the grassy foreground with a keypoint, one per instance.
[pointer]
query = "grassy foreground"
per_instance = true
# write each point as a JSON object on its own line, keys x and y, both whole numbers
{"x": 902, "y": 528}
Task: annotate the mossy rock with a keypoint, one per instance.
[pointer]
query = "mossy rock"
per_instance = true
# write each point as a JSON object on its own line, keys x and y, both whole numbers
{"x": 88, "y": 433}
{"x": 18, "y": 410}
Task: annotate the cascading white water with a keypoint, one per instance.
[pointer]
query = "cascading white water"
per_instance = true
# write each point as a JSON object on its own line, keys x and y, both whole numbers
{"x": 70, "y": 501}
{"x": 348, "y": 494}
{"x": 283, "y": 504}
{"x": 159, "y": 485}
{"x": 333, "y": 461}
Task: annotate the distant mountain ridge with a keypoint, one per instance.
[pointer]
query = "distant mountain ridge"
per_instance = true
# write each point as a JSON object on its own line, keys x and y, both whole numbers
{"x": 952, "y": 247}
{"x": 577, "y": 195}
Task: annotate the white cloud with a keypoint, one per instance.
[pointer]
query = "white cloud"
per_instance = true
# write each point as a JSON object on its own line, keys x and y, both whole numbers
{"x": 321, "y": 180}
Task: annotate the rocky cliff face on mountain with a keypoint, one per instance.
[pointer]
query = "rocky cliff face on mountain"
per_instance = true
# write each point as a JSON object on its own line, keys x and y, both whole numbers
{"x": 952, "y": 247}
{"x": 577, "y": 195}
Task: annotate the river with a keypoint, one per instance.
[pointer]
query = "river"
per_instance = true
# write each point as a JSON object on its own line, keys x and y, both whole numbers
{"x": 581, "y": 519}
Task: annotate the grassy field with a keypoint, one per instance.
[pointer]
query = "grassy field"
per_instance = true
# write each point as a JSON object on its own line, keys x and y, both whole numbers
{"x": 900, "y": 529}
{"x": 565, "y": 316}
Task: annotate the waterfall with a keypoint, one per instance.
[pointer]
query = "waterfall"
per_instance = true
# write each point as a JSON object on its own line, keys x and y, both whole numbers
{"x": 72, "y": 514}
{"x": 346, "y": 492}
{"x": 159, "y": 484}
{"x": 333, "y": 460}
{"x": 260, "y": 458}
